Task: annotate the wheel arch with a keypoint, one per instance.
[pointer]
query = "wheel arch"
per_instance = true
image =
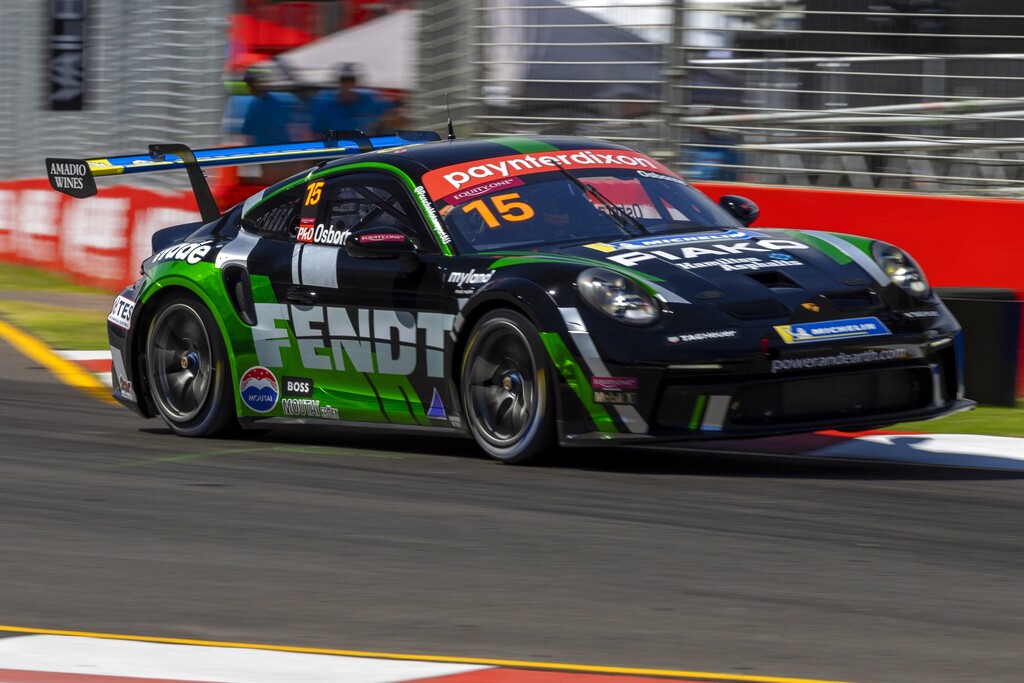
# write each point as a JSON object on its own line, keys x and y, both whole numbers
{"x": 151, "y": 300}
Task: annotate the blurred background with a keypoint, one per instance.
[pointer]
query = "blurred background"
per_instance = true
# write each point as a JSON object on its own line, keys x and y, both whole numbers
{"x": 912, "y": 95}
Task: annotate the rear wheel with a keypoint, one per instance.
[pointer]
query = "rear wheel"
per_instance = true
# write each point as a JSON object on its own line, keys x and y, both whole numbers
{"x": 506, "y": 389}
{"x": 188, "y": 370}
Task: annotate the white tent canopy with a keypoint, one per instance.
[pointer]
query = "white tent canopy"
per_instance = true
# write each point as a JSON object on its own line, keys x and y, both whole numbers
{"x": 384, "y": 48}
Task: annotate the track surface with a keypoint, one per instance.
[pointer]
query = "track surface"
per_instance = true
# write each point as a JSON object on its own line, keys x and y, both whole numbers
{"x": 760, "y": 566}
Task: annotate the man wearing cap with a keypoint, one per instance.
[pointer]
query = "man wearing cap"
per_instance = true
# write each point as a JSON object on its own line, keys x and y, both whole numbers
{"x": 347, "y": 108}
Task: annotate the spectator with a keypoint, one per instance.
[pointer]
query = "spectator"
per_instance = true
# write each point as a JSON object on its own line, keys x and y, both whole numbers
{"x": 394, "y": 118}
{"x": 348, "y": 107}
{"x": 269, "y": 116}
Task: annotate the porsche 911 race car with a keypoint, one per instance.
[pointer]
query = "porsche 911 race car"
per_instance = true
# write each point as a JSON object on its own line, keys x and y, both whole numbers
{"x": 525, "y": 292}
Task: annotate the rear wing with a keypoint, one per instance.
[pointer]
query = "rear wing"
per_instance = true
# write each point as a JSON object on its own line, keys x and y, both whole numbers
{"x": 77, "y": 177}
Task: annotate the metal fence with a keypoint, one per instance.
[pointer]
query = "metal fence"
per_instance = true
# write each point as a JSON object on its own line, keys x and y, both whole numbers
{"x": 152, "y": 72}
{"x": 911, "y": 95}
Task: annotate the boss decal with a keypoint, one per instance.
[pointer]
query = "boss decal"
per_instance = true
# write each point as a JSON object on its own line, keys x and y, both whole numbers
{"x": 297, "y": 386}
{"x": 382, "y": 341}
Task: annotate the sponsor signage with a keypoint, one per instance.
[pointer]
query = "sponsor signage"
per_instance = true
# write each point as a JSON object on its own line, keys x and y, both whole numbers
{"x": 121, "y": 312}
{"x": 838, "y": 360}
{"x": 671, "y": 240}
{"x": 258, "y": 389}
{"x": 297, "y": 386}
{"x": 446, "y": 181}
{"x": 831, "y": 329}
{"x": 67, "y": 55}
{"x": 615, "y": 390}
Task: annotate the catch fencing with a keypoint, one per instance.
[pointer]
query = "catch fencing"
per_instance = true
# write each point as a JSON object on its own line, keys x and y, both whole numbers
{"x": 922, "y": 96}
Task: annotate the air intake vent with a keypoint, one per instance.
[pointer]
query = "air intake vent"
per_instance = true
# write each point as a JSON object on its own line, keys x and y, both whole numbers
{"x": 775, "y": 279}
{"x": 853, "y": 299}
{"x": 236, "y": 281}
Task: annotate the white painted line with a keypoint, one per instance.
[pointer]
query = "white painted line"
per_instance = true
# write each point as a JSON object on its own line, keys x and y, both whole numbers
{"x": 961, "y": 450}
{"x": 85, "y": 355}
{"x": 103, "y": 657}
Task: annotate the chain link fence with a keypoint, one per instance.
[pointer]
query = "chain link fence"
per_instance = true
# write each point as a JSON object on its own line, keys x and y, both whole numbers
{"x": 152, "y": 72}
{"x": 909, "y": 95}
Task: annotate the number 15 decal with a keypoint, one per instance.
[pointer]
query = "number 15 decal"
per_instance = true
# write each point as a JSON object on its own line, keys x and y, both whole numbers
{"x": 505, "y": 205}
{"x": 313, "y": 193}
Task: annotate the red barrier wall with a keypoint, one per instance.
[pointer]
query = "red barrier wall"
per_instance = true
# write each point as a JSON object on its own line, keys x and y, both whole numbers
{"x": 99, "y": 242}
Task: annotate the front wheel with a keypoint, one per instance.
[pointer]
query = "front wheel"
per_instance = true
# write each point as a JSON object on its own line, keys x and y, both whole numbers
{"x": 188, "y": 370}
{"x": 506, "y": 389}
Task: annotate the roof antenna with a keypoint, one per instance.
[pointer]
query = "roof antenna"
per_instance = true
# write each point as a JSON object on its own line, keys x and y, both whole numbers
{"x": 451, "y": 128}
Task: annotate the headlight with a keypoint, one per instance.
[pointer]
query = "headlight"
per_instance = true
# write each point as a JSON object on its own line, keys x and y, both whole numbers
{"x": 617, "y": 296}
{"x": 901, "y": 269}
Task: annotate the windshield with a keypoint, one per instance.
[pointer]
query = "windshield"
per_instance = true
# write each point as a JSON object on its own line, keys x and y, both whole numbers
{"x": 543, "y": 207}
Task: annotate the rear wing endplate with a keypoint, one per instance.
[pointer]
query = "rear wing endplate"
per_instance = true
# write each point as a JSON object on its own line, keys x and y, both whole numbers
{"x": 77, "y": 177}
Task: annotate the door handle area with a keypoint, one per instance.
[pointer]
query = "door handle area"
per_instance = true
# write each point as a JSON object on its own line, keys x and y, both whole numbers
{"x": 301, "y": 296}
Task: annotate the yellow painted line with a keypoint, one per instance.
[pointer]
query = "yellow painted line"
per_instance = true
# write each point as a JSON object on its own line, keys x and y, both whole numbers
{"x": 504, "y": 663}
{"x": 66, "y": 371}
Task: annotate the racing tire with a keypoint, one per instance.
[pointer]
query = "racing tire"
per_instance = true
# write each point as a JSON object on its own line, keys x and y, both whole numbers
{"x": 506, "y": 389}
{"x": 188, "y": 371}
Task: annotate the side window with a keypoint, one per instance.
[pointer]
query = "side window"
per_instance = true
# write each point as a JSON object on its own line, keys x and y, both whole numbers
{"x": 363, "y": 200}
{"x": 277, "y": 218}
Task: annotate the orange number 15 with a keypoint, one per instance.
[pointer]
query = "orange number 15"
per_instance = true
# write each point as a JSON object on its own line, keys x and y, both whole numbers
{"x": 505, "y": 205}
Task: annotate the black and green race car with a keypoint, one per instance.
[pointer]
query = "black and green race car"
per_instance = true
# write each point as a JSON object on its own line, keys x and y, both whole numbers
{"x": 524, "y": 292}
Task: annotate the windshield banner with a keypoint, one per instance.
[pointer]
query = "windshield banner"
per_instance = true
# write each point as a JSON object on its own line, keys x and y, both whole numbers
{"x": 443, "y": 182}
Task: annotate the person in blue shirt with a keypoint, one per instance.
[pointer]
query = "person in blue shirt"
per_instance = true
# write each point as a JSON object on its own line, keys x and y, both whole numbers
{"x": 269, "y": 117}
{"x": 347, "y": 108}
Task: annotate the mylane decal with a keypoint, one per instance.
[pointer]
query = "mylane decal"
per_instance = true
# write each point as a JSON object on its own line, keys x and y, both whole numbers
{"x": 442, "y": 182}
{"x": 727, "y": 254}
{"x": 258, "y": 389}
{"x": 832, "y": 329}
{"x": 837, "y": 360}
{"x": 121, "y": 312}
{"x": 462, "y": 279}
{"x": 383, "y": 341}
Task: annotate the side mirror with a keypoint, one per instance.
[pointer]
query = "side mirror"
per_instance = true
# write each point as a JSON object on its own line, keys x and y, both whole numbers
{"x": 382, "y": 243}
{"x": 742, "y": 208}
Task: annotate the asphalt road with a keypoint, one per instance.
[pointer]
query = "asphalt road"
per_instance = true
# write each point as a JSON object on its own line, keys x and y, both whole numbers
{"x": 759, "y": 566}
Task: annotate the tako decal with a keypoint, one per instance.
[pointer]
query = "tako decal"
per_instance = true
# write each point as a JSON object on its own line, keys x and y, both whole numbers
{"x": 442, "y": 182}
{"x": 839, "y": 359}
{"x": 382, "y": 341}
{"x": 258, "y": 389}
{"x": 724, "y": 254}
{"x": 189, "y": 252}
{"x": 832, "y": 329}
{"x": 121, "y": 312}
